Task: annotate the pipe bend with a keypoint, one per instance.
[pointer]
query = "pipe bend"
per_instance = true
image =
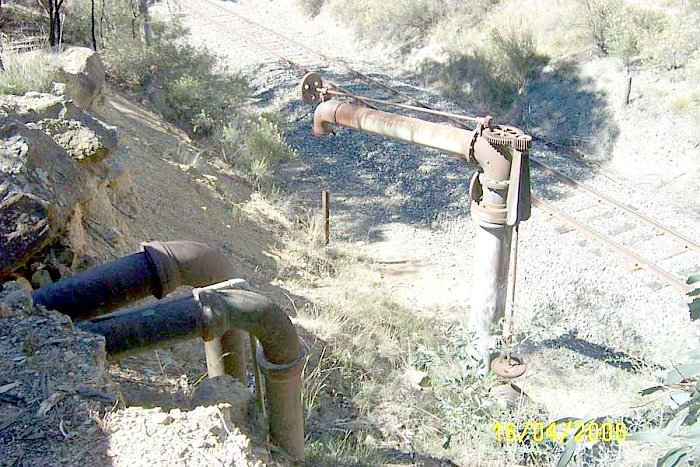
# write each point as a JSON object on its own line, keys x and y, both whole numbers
{"x": 324, "y": 117}
{"x": 248, "y": 311}
{"x": 184, "y": 262}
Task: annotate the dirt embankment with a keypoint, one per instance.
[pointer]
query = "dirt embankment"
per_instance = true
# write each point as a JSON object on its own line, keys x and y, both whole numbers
{"x": 85, "y": 175}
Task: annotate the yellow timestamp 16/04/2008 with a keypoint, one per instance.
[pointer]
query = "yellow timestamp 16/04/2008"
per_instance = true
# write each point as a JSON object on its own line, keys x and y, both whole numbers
{"x": 583, "y": 432}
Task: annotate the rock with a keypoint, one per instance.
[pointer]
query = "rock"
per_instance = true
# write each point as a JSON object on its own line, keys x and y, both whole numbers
{"x": 241, "y": 402}
{"x": 55, "y": 165}
{"x": 417, "y": 379}
{"x": 81, "y": 142}
{"x": 24, "y": 227}
{"x": 15, "y": 300}
{"x": 84, "y": 76}
{"x": 41, "y": 278}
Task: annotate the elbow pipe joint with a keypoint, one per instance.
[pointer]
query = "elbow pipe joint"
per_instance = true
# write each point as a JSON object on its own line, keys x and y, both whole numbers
{"x": 184, "y": 262}
{"x": 324, "y": 117}
{"x": 239, "y": 309}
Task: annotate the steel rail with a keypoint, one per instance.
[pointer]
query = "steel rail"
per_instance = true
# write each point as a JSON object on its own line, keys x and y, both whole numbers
{"x": 266, "y": 50}
{"x": 687, "y": 242}
{"x": 616, "y": 247}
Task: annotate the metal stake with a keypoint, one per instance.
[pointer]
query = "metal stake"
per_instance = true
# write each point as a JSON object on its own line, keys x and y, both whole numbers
{"x": 325, "y": 207}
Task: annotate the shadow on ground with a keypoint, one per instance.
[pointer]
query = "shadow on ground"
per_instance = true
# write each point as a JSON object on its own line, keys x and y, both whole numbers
{"x": 375, "y": 180}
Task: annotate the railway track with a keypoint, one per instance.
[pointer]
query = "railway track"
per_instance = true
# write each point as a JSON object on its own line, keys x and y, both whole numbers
{"x": 601, "y": 220}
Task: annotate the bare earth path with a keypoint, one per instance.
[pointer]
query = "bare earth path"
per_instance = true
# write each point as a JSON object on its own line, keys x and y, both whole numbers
{"x": 579, "y": 307}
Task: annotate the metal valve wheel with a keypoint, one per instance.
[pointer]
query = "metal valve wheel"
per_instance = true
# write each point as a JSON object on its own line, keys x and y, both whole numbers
{"x": 309, "y": 88}
{"x": 502, "y": 134}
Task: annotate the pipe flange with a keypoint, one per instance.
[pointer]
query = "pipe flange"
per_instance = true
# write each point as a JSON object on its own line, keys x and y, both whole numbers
{"x": 280, "y": 368}
{"x": 161, "y": 258}
{"x": 508, "y": 367}
{"x": 501, "y": 134}
{"x": 310, "y": 86}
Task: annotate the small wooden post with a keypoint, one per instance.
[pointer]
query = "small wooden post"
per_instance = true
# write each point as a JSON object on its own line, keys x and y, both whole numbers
{"x": 325, "y": 207}
{"x": 628, "y": 90}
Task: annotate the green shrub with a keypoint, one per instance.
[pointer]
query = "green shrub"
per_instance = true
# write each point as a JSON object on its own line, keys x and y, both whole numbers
{"x": 398, "y": 20}
{"x": 254, "y": 145}
{"x": 311, "y": 7}
{"x": 491, "y": 77}
{"x": 198, "y": 96}
{"x": 29, "y": 71}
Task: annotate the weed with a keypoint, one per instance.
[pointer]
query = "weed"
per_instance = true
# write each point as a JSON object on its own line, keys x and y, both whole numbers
{"x": 254, "y": 145}
{"x": 30, "y": 71}
{"x": 600, "y": 17}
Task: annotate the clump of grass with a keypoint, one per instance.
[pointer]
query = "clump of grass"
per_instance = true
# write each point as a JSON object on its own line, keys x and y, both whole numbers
{"x": 29, "y": 71}
{"x": 254, "y": 145}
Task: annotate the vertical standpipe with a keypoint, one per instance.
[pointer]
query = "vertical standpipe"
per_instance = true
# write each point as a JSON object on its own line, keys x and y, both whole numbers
{"x": 499, "y": 197}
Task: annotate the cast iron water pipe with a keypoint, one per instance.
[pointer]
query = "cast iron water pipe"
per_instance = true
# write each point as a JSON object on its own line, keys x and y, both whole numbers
{"x": 499, "y": 192}
{"x": 207, "y": 312}
{"x": 158, "y": 269}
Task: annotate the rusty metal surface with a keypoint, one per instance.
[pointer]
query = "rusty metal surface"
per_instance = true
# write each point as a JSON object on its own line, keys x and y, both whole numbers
{"x": 145, "y": 327}
{"x": 283, "y": 388}
{"x": 101, "y": 289}
{"x": 455, "y": 141}
{"x": 183, "y": 262}
{"x": 509, "y": 367}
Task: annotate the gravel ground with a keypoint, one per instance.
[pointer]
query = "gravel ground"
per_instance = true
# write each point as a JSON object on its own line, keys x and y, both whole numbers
{"x": 579, "y": 306}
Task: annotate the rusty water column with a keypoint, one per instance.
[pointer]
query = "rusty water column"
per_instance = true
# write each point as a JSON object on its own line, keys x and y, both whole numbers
{"x": 499, "y": 192}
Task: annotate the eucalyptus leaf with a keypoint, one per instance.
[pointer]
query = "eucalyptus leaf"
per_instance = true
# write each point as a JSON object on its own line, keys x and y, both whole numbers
{"x": 568, "y": 454}
{"x": 675, "y": 423}
{"x": 693, "y": 279}
{"x": 673, "y": 457}
{"x": 695, "y": 309}
{"x": 651, "y": 390}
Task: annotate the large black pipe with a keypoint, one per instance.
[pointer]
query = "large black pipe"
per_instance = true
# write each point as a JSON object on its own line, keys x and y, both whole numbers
{"x": 144, "y": 327}
{"x": 105, "y": 287}
{"x": 157, "y": 270}
{"x": 214, "y": 313}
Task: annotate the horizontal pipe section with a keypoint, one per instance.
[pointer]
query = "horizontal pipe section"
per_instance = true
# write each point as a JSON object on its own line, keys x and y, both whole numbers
{"x": 158, "y": 324}
{"x": 105, "y": 287}
{"x": 494, "y": 160}
{"x": 157, "y": 270}
{"x": 185, "y": 262}
{"x": 453, "y": 140}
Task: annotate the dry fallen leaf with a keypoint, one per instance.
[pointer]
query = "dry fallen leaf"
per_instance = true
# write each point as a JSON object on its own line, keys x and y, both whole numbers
{"x": 7, "y": 387}
{"x": 50, "y": 403}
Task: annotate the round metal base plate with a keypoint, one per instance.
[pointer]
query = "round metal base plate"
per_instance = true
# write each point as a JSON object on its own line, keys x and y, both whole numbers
{"x": 309, "y": 84}
{"x": 508, "y": 368}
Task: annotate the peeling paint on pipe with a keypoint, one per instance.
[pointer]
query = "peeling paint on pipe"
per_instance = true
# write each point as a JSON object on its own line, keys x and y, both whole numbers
{"x": 106, "y": 287}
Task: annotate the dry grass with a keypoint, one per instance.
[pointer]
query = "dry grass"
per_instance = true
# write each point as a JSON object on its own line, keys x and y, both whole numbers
{"x": 28, "y": 71}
